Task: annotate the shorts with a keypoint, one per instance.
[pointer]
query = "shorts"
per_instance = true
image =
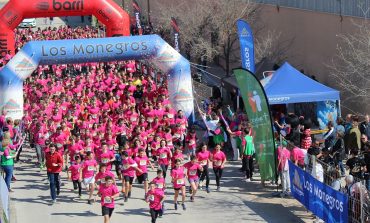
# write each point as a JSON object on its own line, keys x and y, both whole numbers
{"x": 106, "y": 211}
{"x": 178, "y": 188}
{"x": 128, "y": 179}
{"x": 89, "y": 180}
{"x": 143, "y": 177}
{"x": 194, "y": 180}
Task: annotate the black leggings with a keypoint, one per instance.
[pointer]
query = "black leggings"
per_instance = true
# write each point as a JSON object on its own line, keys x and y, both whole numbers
{"x": 154, "y": 214}
{"x": 205, "y": 174}
{"x": 218, "y": 174}
{"x": 248, "y": 164}
{"x": 164, "y": 169}
{"x": 77, "y": 184}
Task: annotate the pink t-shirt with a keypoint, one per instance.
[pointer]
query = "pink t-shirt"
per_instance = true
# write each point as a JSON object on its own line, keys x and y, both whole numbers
{"x": 159, "y": 182}
{"x": 164, "y": 156}
{"x": 192, "y": 170}
{"x": 128, "y": 167}
{"x": 155, "y": 196}
{"x": 75, "y": 171}
{"x": 203, "y": 157}
{"x": 178, "y": 177}
{"x": 298, "y": 154}
{"x": 101, "y": 176}
{"x": 218, "y": 158}
{"x": 88, "y": 168}
{"x": 283, "y": 156}
{"x": 142, "y": 163}
{"x": 106, "y": 159}
{"x": 108, "y": 192}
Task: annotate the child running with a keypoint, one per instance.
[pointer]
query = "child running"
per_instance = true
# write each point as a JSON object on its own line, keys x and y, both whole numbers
{"x": 192, "y": 166}
{"x": 108, "y": 192}
{"x": 218, "y": 159}
{"x": 178, "y": 180}
{"x": 74, "y": 174}
{"x": 155, "y": 199}
{"x": 87, "y": 173}
{"x": 128, "y": 174}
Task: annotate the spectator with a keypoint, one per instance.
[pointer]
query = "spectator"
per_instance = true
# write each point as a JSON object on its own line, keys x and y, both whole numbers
{"x": 365, "y": 126}
{"x": 352, "y": 138}
{"x": 356, "y": 165}
{"x": 338, "y": 151}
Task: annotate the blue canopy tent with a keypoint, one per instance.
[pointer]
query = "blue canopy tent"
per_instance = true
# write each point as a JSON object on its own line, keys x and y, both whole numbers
{"x": 288, "y": 85}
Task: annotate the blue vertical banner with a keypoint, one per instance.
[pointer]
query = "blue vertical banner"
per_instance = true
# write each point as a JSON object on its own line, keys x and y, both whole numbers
{"x": 323, "y": 201}
{"x": 246, "y": 45}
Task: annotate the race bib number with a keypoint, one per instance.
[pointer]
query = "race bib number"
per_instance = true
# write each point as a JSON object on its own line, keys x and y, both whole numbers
{"x": 102, "y": 181}
{"x": 77, "y": 151}
{"x": 94, "y": 116}
{"x": 151, "y": 198}
{"x": 150, "y": 119}
{"x": 59, "y": 145}
{"x": 180, "y": 181}
{"x": 133, "y": 119}
{"x": 170, "y": 115}
{"x": 192, "y": 172}
{"x": 107, "y": 200}
{"x": 105, "y": 161}
{"x": 204, "y": 162}
{"x": 125, "y": 167}
{"x": 160, "y": 186}
{"x": 177, "y": 135}
{"x": 90, "y": 168}
{"x": 191, "y": 142}
{"x": 163, "y": 155}
{"x": 169, "y": 143}
{"x": 64, "y": 108}
{"x": 142, "y": 162}
{"x": 218, "y": 163}
{"x": 88, "y": 149}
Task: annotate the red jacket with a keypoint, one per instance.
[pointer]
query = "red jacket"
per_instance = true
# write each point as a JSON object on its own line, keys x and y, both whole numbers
{"x": 54, "y": 158}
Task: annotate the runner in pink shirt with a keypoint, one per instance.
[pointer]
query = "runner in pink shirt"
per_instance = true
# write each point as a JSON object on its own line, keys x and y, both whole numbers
{"x": 155, "y": 199}
{"x": 218, "y": 159}
{"x": 193, "y": 167}
{"x": 108, "y": 192}
{"x": 203, "y": 156}
{"x": 142, "y": 162}
{"x": 107, "y": 157}
{"x": 87, "y": 173}
{"x": 103, "y": 172}
{"x": 165, "y": 155}
{"x": 129, "y": 166}
{"x": 178, "y": 180}
{"x": 74, "y": 174}
{"x": 159, "y": 181}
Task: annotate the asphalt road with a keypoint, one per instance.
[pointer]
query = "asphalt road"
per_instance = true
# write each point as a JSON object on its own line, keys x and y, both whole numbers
{"x": 238, "y": 201}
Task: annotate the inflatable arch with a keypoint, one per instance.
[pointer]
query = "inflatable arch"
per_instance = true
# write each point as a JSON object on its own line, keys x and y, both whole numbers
{"x": 108, "y": 12}
{"x": 149, "y": 47}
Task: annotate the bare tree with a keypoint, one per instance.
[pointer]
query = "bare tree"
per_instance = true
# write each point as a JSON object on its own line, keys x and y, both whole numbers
{"x": 350, "y": 68}
{"x": 208, "y": 28}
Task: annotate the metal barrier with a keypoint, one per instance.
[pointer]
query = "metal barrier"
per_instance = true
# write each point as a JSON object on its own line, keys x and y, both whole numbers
{"x": 358, "y": 195}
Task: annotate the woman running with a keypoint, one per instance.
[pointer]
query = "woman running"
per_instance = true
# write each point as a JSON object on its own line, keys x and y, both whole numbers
{"x": 192, "y": 175}
{"x": 218, "y": 159}
{"x": 155, "y": 199}
{"x": 129, "y": 166}
{"x": 108, "y": 192}
{"x": 87, "y": 173}
{"x": 203, "y": 156}
{"x": 178, "y": 180}
{"x": 165, "y": 156}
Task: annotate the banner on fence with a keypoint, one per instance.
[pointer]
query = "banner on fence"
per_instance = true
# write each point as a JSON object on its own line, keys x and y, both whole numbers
{"x": 325, "y": 202}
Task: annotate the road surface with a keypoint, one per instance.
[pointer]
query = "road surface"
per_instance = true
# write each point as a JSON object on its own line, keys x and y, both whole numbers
{"x": 238, "y": 201}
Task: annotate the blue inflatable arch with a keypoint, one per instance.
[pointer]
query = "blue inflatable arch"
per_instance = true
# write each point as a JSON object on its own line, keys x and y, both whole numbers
{"x": 149, "y": 47}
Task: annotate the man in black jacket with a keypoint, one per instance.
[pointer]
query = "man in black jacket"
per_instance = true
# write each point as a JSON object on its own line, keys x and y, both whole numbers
{"x": 338, "y": 151}
{"x": 365, "y": 127}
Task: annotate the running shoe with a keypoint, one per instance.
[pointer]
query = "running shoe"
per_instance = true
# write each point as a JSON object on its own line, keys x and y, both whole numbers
{"x": 54, "y": 201}
{"x": 126, "y": 199}
{"x": 218, "y": 188}
{"x": 129, "y": 194}
{"x": 176, "y": 206}
{"x": 89, "y": 201}
{"x": 80, "y": 196}
{"x": 208, "y": 190}
{"x": 183, "y": 207}
{"x": 192, "y": 199}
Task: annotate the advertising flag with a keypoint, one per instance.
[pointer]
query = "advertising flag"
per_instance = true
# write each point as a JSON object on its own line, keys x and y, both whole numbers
{"x": 137, "y": 11}
{"x": 176, "y": 32}
{"x": 246, "y": 45}
{"x": 257, "y": 108}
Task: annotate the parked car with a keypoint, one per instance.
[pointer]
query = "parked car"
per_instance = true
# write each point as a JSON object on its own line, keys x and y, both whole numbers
{"x": 28, "y": 23}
